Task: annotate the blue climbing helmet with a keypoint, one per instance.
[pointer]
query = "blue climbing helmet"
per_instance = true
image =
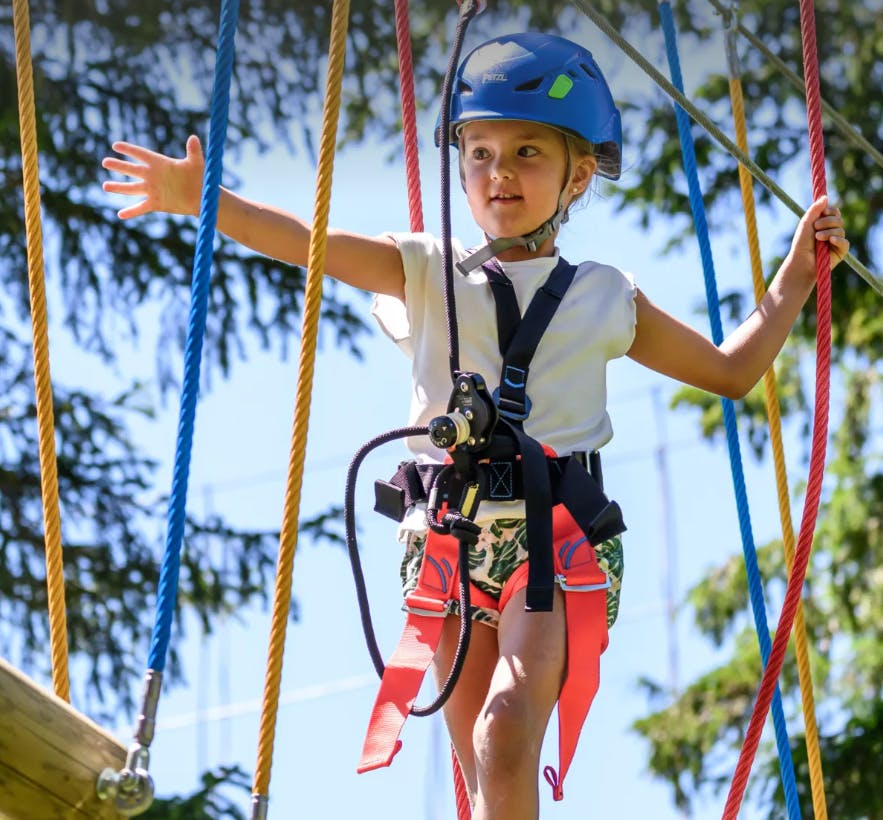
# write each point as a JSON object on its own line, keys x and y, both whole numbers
{"x": 540, "y": 78}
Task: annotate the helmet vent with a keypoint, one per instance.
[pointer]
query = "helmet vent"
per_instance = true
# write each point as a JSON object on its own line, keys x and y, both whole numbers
{"x": 463, "y": 87}
{"x": 530, "y": 85}
{"x": 590, "y": 71}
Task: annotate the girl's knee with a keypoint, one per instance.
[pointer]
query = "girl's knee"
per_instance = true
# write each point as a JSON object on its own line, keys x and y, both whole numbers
{"x": 508, "y": 731}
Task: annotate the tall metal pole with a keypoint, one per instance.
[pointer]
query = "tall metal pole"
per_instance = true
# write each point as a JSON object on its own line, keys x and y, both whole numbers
{"x": 668, "y": 542}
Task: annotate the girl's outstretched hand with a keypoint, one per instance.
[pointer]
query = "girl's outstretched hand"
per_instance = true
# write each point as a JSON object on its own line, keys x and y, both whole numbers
{"x": 168, "y": 185}
{"x": 821, "y": 222}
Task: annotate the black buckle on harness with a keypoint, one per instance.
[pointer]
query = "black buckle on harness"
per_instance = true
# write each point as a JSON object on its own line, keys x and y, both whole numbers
{"x": 512, "y": 410}
{"x": 389, "y": 500}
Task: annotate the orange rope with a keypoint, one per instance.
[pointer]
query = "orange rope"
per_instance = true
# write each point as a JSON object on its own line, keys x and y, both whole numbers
{"x": 309, "y": 333}
{"x": 42, "y": 381}
{"x": 775, "y": 422}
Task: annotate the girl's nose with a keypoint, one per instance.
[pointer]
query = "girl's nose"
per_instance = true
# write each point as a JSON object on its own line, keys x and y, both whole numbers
{"x": 501, "y": 169}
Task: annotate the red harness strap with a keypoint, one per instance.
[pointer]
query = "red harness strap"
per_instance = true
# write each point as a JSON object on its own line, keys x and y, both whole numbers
{"x": 585, "y": 606}
{"x": 585, "y": 610}
{"x": 584, "y": 586}
{"x": 427, "y": 606}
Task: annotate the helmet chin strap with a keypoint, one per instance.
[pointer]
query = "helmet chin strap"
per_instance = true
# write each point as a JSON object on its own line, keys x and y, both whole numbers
{"x": 531, "y": 240}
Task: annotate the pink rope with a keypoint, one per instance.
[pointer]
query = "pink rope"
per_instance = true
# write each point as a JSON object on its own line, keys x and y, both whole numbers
{"x": 820, "y": 426}
{"x": 409, "y": 114}
{"x": 464, "y": 810}
{"x": 415, "y": 211}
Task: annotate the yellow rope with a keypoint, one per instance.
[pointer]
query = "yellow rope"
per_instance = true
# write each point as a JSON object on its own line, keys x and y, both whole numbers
{"x": 772, "y": 408}
{"x": 312, "y": 305}
{"x": 42, "y": 381}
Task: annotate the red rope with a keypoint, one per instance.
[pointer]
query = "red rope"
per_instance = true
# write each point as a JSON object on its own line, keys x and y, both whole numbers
{"x": 415, "y": 211}
{"x": 409, "y": 114}
{"x": 464, "y": 810}
{"x": 820, "y": 426}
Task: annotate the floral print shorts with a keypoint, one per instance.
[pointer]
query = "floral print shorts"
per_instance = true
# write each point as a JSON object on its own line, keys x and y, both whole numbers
{"x": 501, "y": 549}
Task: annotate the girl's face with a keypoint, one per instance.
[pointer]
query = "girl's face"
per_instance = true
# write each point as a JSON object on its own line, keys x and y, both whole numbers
{"x": 513, "y": 173}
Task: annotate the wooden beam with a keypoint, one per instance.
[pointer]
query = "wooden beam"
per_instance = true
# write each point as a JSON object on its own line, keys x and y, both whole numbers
{"x": 50, "y": 755}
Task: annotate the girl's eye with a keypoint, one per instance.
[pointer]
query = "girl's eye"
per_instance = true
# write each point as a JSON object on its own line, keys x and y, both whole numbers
{"x": 528, "y": 151}
{"x": 480, "y": 153}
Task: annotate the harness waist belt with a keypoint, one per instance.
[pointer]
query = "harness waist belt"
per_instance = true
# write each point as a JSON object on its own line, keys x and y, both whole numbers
{"x": 412, "y": 482}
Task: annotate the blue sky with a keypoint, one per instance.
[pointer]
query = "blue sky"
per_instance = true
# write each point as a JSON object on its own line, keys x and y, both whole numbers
{"x": 242, "y": 441}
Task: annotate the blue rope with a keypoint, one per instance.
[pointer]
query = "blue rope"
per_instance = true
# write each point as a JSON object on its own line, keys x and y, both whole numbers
{"x": 755, "y": 585}
{"x": 208, "y": 212}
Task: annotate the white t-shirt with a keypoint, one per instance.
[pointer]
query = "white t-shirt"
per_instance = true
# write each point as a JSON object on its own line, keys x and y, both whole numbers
{"x": 567, "y": 384}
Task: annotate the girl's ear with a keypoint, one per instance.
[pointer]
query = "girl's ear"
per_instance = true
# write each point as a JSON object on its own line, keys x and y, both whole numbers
{"x": 583, "y": 170}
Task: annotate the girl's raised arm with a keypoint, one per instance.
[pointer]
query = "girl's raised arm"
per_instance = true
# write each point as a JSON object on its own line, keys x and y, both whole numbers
{"x": 174, "y": 186}
{"x": 668, "y": 346}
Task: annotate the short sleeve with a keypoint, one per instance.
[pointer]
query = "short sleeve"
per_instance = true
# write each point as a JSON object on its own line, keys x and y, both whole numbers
{"x": 624, "y": 314}
{"x": 406, "y": 321}
{"x": 392, "y": 314}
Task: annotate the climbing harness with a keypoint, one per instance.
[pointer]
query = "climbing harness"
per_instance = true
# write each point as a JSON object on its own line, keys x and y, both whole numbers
{"x": 489, "y": 456}
{"x": 584, "y": 585}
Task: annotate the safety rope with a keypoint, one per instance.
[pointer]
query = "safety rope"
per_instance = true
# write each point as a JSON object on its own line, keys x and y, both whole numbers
{"x": 199, "y": 289}
{"x": 771, "y": 400}
{"x": 468, "y": 9}
{"x": 409, "y": 115}
{"x": 42, "y": 379}
{"x": 846, "y": 128}
{"x": 415, "y": 210}
{"x": 131, "y": 789}
{"x": 873, "y": 279}
{"x": 820, "y": 425}
{"x": 755, "y": 583}
{"x": 309, "y": 335}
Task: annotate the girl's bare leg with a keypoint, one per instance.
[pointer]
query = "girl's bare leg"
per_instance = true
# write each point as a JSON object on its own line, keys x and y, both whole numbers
{"x": 511, "y": 724}
{"x": 462, "y": 709}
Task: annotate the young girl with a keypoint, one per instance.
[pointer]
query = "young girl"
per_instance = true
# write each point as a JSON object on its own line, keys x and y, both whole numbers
{"x": 533, "y": 121}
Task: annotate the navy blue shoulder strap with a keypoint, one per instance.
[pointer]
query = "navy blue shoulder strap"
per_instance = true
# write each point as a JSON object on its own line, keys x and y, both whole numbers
{"x": 519, "y": 336}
